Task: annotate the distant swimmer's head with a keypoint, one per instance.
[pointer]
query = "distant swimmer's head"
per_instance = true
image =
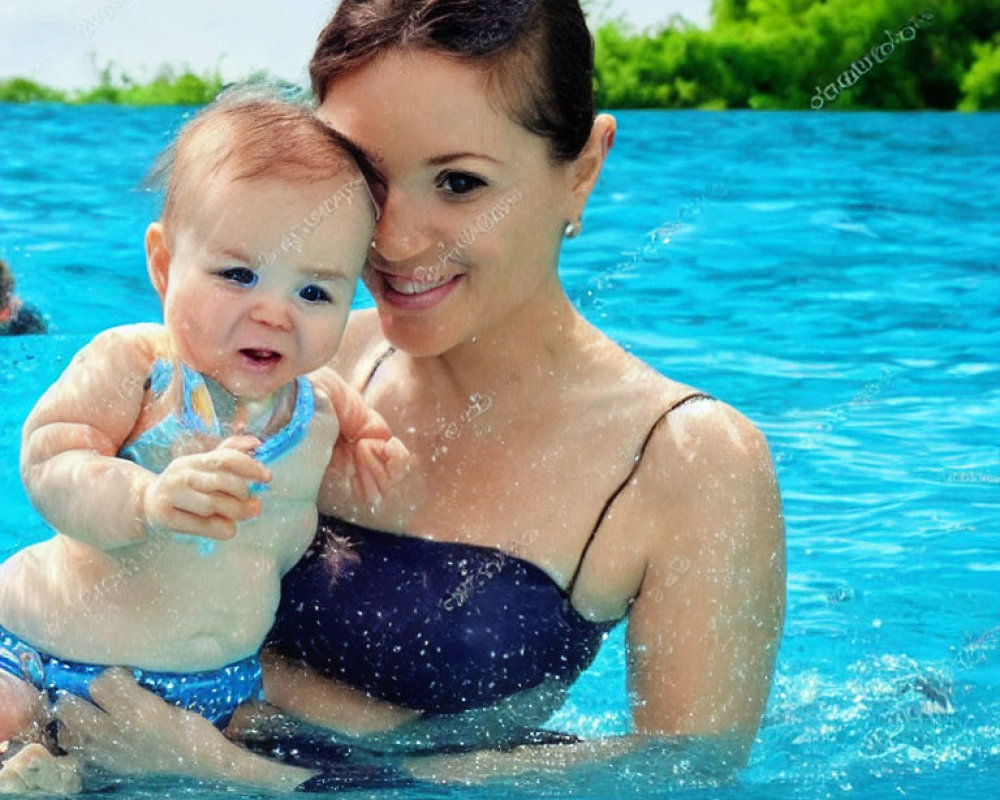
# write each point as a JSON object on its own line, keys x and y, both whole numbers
{"x": 265, "y": 228}
{"x": 7, "y": 285}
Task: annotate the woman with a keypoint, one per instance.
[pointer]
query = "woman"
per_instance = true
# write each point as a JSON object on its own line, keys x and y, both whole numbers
{"x": 558, "y": 485}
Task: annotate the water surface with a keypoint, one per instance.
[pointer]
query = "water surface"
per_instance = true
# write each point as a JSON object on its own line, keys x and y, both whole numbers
{"x": 836, "y": 277}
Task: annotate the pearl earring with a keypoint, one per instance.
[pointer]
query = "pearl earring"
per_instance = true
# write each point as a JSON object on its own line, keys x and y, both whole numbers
{"x": 573, "y": 229}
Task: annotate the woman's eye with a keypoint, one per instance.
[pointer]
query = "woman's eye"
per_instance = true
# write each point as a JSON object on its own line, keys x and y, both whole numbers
{"x": 240, "y": 275}
{"x": 314, "y": 294}
{"x": 459, "y": 183}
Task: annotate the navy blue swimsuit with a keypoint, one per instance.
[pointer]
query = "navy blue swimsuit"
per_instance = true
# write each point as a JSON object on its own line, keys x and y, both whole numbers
{"x": 440, "y": 627}
{"x": 437, "y": 626}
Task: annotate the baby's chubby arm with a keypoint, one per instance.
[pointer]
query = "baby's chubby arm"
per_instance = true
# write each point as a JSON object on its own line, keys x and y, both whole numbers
{"x": 70, "y": 441}
{"x": 366, "y": 455}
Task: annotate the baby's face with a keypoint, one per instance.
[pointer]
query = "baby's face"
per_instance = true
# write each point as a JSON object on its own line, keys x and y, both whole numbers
{"x": 261, "y": 277}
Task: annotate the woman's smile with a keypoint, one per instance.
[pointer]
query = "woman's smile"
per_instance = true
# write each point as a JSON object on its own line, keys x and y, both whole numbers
{"x": 410, "y": 294}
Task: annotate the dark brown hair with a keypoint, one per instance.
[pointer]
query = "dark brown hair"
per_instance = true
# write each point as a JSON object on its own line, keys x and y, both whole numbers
{"x": 538, "y": 55}
{"x": 255, "y": 135}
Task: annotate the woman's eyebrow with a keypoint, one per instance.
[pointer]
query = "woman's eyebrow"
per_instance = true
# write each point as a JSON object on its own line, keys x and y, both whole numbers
{"x": 375, "y": 158}
{"x": 437, "y": 161}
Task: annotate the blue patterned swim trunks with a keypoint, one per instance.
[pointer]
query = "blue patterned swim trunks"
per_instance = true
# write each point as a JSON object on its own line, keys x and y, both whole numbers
{"x": 215, "y": 694}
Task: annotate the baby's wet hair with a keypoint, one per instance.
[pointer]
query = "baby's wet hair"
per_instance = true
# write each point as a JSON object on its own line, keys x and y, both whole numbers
{"x": 250, "y": 133}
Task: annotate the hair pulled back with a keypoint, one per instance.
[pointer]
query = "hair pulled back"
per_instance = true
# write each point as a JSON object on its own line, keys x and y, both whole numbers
{"x": 537, "y": 55}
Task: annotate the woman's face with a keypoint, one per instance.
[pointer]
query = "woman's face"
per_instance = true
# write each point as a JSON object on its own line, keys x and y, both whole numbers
{"x": 473, "y": 208}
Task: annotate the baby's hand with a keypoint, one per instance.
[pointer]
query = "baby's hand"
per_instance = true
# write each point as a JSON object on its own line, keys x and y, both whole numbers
{"x": 366, "y": 454}
{"x": 206, "y": 494}
{"x": 373, "y": 465}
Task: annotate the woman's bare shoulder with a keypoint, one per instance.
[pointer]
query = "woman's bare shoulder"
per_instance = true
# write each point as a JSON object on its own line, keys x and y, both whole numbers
{"x": 705, "y": 458}
{"x": 699, "y": 428}
{"x": 360, "y": 346}
{"x": 692, "y": 431}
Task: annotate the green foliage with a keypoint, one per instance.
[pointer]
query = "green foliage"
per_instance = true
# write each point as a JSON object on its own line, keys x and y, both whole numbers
{"x": 21, "y": 90}
{"x": 776, "y": 54}
{"x": 981, "y": 84}
{"x": 166, "y": 89}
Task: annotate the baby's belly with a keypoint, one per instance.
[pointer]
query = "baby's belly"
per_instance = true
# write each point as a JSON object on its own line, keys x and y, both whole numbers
{"x": 283, "y": 531}
{"x": 159, "y": 606}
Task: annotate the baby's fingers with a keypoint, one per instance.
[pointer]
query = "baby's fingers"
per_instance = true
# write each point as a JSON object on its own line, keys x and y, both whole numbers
{"x": 217, "y": 504}
{"x": 221, "y": 483}
{"x": 236, "y": 463}
{"x": 367, "y": 487}
{"x": 244, "y": 442}
{"x": 396, "y": 458}
{"x": 371, "y": 475}
{"x": 209, "y": 527}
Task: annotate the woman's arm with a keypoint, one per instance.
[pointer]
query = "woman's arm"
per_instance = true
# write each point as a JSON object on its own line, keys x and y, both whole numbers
{"x": 129, "y": 730}
{"x": 705, "y": 627}
{"x": 132, "y": 731}
{"x": 298, "y": 689}
{"x": 646, "y": 760}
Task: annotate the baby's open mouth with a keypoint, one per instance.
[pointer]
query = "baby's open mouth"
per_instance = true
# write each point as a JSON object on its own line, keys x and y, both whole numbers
{"x": 259, "y": 356}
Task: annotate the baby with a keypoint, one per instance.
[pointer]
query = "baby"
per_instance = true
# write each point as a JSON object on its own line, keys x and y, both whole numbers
{"x": 181, "y": 462}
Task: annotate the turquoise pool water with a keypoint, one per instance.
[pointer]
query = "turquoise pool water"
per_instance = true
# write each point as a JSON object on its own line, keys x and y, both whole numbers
{"x": 835, "y": 277}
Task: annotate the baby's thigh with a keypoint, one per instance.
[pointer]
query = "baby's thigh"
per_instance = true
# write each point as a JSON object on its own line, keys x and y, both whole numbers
{"x": 21, "y": 707}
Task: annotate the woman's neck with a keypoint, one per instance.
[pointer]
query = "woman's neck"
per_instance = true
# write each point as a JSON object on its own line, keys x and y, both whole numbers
{"x": 539, "y": 346}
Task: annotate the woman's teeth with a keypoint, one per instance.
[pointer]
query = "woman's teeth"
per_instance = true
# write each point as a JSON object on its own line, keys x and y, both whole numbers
{"x": 404, "y": 286}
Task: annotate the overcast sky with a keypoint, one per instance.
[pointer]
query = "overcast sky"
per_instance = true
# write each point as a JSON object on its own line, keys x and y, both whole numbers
{"x": 58, "y": 42}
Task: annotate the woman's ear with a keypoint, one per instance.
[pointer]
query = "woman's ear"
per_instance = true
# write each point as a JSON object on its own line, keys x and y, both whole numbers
{"x": 157, "y": 258}
{"x": 591, "y": 159}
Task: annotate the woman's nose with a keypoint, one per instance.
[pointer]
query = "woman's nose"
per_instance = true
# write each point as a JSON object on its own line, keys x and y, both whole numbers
{"x": 397, "y": 233}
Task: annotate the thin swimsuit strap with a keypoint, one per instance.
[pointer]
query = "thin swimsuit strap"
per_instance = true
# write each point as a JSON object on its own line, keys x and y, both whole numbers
{"x": 621, "y": 487}
{"x": 614, "y": 495}
{"x": 378, "y": 363}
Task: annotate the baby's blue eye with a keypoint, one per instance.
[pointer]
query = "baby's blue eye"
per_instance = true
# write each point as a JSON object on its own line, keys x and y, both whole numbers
{"x": 240, "y": 275}
{"x": 314, "y": 294}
